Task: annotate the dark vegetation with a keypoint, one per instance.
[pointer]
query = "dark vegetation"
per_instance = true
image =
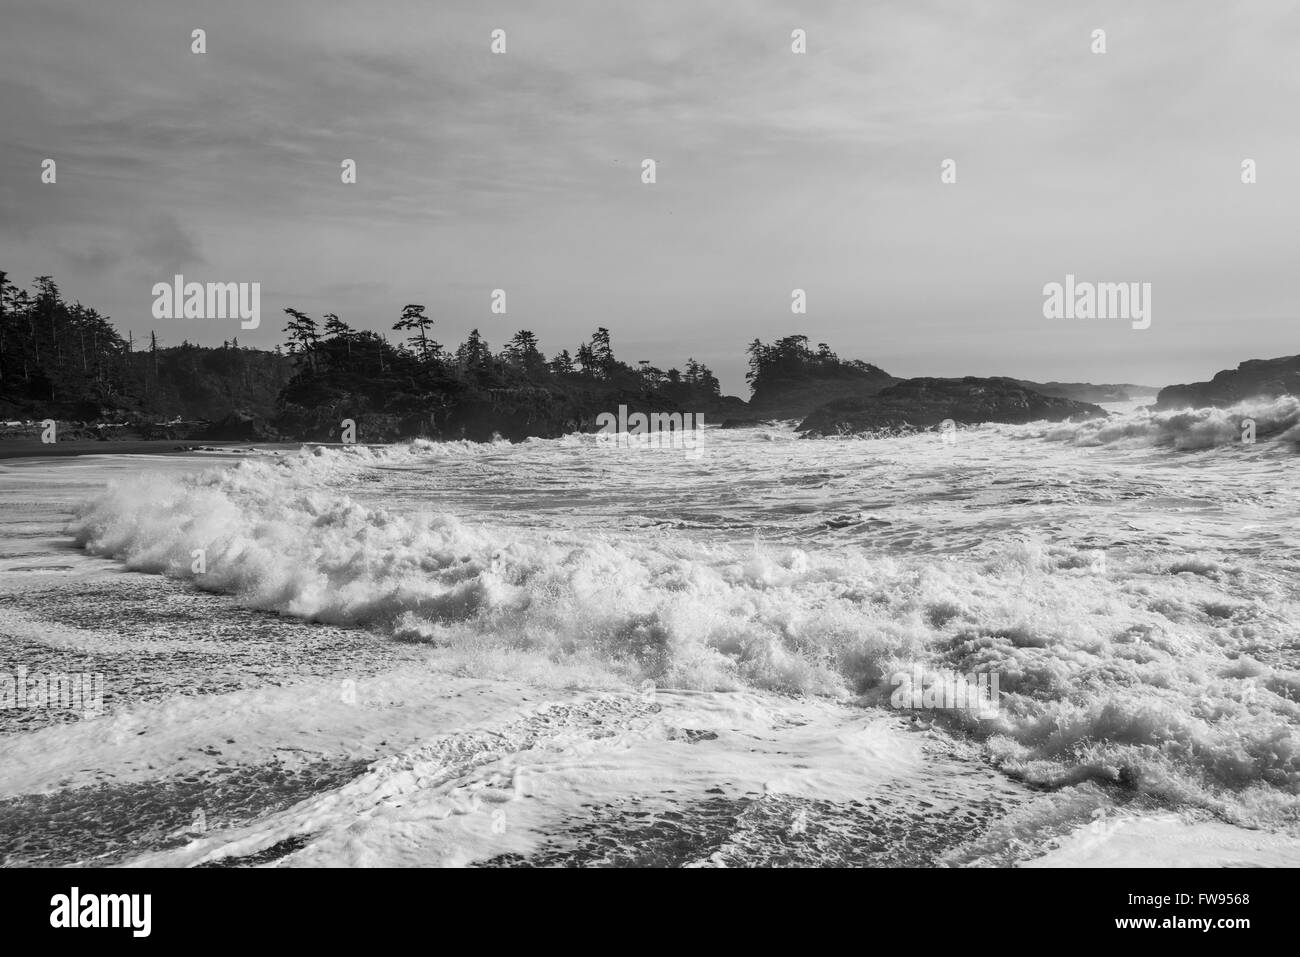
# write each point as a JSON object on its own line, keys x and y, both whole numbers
{"x": 65, "y": 361}
{"x": 419, "y": 388}
{"x": 789, "y": 380}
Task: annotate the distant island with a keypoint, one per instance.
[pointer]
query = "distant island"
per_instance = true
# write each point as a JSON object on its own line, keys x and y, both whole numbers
{"x": 1087, "y": 392}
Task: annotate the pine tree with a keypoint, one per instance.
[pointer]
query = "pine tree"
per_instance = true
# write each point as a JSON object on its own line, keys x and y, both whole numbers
{"x": 337, "y": 329}
{"x": 521, "y": 353}
{"x": 562, "y": 364}
{"x": 413, "y": 317}
{"x": 473, "y": 355}
{"x": 303, "y": 336}
{"x": 602, "y": 353}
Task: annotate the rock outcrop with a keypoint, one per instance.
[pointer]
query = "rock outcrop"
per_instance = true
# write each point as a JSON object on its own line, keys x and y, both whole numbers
{"x": 1254, "y": 378}
{"x": 796, "y": 397}
{"x": 925, "y": 403}
{"x": 240, "y": 426}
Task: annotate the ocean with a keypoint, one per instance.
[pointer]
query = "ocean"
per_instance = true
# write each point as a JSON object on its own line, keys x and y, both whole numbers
{"x": 575, "y": 652}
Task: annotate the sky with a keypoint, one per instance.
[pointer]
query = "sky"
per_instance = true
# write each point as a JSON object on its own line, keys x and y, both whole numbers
{"x": 775, "y": 171}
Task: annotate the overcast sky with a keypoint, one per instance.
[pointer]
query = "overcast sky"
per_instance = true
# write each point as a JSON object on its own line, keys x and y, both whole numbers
{"x": 775, "y": 171}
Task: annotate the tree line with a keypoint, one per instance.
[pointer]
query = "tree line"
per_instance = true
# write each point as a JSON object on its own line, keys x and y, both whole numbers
{"x": 790, "y": 358}
{"x": 332, "y": 357}
{"x": 66, "y": 359}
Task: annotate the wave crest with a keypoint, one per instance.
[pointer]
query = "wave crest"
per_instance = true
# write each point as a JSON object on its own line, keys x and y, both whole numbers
{"x": 1187, "y": 429}
{"x": 1129, "y": 674}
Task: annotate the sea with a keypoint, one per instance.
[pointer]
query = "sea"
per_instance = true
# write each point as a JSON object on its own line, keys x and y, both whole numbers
{"x": 743, "y": 653}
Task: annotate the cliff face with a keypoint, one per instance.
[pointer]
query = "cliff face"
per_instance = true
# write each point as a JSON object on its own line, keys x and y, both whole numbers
{"x": 925, "y": 403}
{"x": 1253, "y": 378}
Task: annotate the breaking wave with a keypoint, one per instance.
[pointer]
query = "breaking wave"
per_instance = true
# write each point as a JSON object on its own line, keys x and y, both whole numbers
{"x": 1162, "y": 671}
{"x": 1188, "y": 429}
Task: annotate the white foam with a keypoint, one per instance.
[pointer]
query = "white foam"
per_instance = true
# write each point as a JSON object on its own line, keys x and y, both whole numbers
{"x": 1128, "y": 674}
{"x": 1166, "y": 841}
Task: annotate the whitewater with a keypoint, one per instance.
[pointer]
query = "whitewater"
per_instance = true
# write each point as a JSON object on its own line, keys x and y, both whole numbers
{"x": 575, "y": 652}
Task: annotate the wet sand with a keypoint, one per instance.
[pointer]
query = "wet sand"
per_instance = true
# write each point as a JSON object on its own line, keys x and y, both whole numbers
{"x": 35, "y": 449}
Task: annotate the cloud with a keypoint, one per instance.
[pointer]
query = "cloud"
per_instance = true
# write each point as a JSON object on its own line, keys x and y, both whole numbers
{"x": 166, "y": 248}
{"x": 522, "y": 171}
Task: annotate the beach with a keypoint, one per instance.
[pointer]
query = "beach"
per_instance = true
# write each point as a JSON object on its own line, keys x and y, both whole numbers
{"x": 558, "y": 652}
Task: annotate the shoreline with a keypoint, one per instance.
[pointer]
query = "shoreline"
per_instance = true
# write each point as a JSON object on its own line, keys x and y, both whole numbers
{"x": 13, "y": 449}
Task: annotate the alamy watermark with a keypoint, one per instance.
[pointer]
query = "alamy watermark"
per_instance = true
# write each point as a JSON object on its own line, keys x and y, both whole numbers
{"x": 65, "y": 692}
{"x": 653, "y": 430}
{"x": 75, "y": 909}
{"x": 946, "y": 690}
{"x": 214, "y": 300}
{"x": 1098, "y": 300}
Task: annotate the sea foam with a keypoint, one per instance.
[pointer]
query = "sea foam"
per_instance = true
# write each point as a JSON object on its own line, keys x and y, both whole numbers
{"x": 1160, "y": 672}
